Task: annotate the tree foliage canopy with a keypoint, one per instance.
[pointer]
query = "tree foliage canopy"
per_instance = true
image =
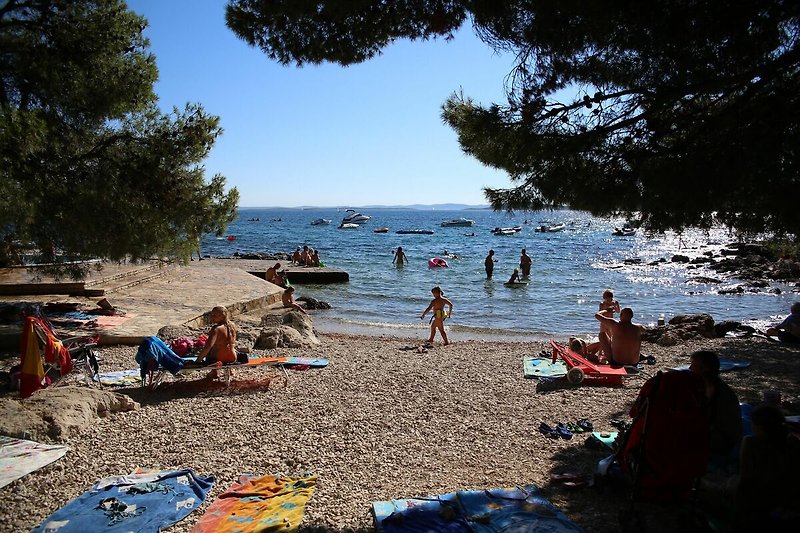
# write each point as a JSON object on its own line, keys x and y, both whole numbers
{"x": 685, "y": 112}
{"x": 89, "y": 166}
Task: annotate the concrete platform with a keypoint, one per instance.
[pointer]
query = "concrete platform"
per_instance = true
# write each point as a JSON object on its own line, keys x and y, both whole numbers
{"x": 178, "y": 295}
{"x": 296, "y": 274}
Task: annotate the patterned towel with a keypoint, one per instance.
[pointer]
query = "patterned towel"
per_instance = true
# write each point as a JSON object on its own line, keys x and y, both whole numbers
{"x": 137, "y": 502}
{"x": 252, "y": 504}
{"x": 21, "y": 457}
{"x": 473, "y": 511}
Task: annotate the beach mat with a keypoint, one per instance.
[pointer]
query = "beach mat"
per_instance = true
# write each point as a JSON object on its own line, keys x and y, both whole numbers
{"x": 144, "y": 503}
{"x": 725, "y": 365}
{"x": 265, "y": 503}
{"x": 120, "y": 378}
{"x": 543, "y": 367}
{"x": 315, "y": 362}
{"x": 478, "y": 511}
{"x": 20, "y": 457}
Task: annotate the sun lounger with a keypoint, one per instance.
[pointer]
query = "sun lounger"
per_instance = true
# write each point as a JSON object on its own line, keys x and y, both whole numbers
{"x": 224, "y": 370}
{"x": 582, "y": 370}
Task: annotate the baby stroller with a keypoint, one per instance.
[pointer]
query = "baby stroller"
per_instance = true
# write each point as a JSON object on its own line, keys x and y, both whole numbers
{"x": 665, "y": 452}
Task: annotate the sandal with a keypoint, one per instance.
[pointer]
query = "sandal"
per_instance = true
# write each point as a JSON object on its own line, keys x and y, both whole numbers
{"x": 574, "y": 428}
{"x": 585, "y": 424}
{"x": 563, "y": 432}
{"x": 547, "y": 431}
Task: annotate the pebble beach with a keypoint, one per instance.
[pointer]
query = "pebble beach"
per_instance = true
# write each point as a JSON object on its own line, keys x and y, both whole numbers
{"x": 380, "y": 422}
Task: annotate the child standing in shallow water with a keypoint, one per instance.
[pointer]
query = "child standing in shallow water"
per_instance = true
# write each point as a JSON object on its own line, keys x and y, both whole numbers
{"x": 220, "y": 346}
{"x": 437, "y": 305}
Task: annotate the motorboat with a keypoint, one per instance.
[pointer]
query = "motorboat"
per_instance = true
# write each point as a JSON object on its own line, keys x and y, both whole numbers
{"x": 437, "y": 262}
{"x": 348, "y": 225}
{"x": 353, "y": 217}
{"x": 320, "y": 221}
{"x": 458, "y": 222}
{"x": 381, "y": 230}
{"x": 507, "y": 231}
{"x": 624, "y": 231}
{"x": 414, "y": 232}
{"x": 550, "y": 229}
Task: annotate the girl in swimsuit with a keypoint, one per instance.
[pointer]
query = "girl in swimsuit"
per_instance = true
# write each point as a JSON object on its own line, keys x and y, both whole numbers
{"x": 221, "y": 340}
{"x": 437, "y": 305}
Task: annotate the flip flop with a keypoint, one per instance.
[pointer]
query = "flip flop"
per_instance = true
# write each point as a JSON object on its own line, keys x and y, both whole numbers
{"x": 586, "y": 481}
{"x": 585, "y": 424}
{"x": 574, "y": 428}
{"x": 563, "y": 432}
{"x": 547, "y": 431}
{"x": 566, "y": 476}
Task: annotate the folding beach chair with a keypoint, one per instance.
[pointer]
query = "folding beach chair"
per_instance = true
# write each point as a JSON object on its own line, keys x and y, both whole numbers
{"x": 665, "y": 451}
{"x": 45, "y": 359}
{"x": 582, "y": 370}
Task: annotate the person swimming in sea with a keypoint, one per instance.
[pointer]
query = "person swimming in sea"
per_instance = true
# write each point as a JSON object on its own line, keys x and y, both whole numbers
{"x": 437, "y": 305}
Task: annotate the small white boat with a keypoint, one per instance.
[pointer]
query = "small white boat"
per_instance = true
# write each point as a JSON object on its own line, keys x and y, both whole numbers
{"x": 624, "y": 232}
{"x": 320, "y": 221}
{"x": 348, "y": 225}
{"x": 352, "y": 217}
{"x": 507, "y": 231}
{"x": 458, "y": 223}
{"x": 550, "y": 229}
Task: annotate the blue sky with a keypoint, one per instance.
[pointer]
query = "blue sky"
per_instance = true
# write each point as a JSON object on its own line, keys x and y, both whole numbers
{"x": 327, "y": 135}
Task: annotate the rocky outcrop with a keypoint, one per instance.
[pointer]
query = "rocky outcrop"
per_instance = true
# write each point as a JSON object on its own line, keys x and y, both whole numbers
{"x": 681, "y": 328}
{"x": 55, "y": 413}
{"x": 313, "y": 303}
{"x": 295, "y": 330}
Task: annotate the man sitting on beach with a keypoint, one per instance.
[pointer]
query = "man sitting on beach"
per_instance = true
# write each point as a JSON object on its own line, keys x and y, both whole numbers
{"x": 274, "y": 277}
{"x": 287, "y": 298}
{"x": 620, "y": 341}
{"x": 789, "y": 329}
{"x": 724, "y": 413}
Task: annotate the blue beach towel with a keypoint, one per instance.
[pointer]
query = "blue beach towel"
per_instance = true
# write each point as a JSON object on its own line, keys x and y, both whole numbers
{"x": 139, "y": 502}
{"x": 475, "y": 511}
{"x": 154, "y": 350}
{"x": 543, "y": 367}
{"x": 725, "y": 365}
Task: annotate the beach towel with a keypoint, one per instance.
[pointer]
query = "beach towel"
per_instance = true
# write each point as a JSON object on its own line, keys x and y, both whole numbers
{"x": 137, "y": 502}
{"x": 543, "y": 367}
{"x": 21, "y": 457}
{"x": 725, "y": 365}
{"x": 153, "y": 354}
{"x": 265, "y": 503}
{"x": 478, "y": 511}
{"x": 32, "y": 370}
{"x": 120, "y": 378}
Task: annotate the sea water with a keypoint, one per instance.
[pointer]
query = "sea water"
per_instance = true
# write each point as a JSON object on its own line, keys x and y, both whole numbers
{"x": 571, "y": 268}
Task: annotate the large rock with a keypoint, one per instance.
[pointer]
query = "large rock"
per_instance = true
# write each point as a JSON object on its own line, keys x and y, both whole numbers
{"x": 295, "y": 331}
{"x": 55, "y": 413}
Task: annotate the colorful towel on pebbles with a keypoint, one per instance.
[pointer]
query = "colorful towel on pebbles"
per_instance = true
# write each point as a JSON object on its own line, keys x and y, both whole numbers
{"x": 265, "y": 503}
{"x": 120, "y": 378}
{"x": 543, "y": 367}
{"x": 21, "y": 457}
{"x": 138, "y": 502}
{"x": 478, "y": 511}
{"x": 725, "y": 365}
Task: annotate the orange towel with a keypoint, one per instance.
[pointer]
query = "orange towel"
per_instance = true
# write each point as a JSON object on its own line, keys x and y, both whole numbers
{"x": 265, "y": 503}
